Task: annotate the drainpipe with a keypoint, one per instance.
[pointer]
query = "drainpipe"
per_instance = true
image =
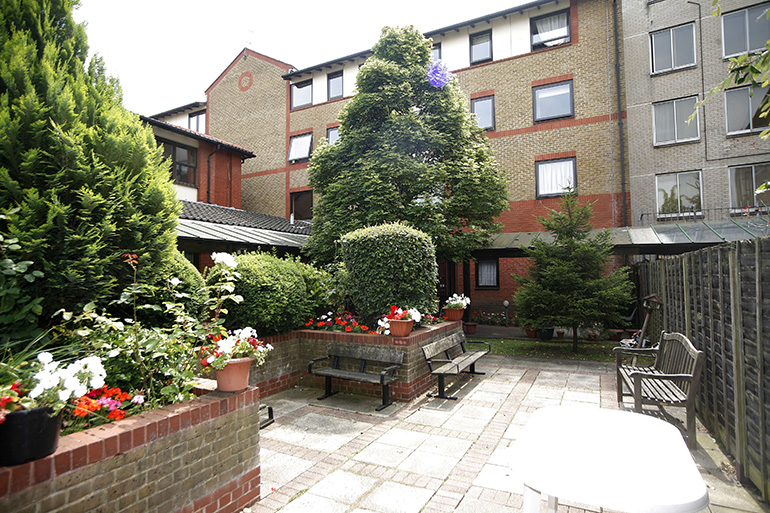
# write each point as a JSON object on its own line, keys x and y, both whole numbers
{"x": 620, "y": 114}
{"x": 208, "y": 171}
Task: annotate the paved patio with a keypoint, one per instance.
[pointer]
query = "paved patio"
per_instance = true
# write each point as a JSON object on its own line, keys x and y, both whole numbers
{"x": 434, "y": 455}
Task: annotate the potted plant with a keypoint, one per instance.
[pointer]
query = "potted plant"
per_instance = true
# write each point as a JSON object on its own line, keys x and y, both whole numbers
{"x": 455, "y": 306}
{"x": 398, "y": 322}
{"x": 31, "y": 404}
{"x": 231, "y": 356}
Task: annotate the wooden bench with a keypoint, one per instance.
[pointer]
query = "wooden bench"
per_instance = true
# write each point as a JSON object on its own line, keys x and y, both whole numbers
{"x": 448, "y": 357}
{"x": 344, "y": 359}
{"x": 672, "y": 380}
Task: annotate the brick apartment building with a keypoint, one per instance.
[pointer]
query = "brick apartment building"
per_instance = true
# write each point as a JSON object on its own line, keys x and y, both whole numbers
{"x": 707, "y": 170}
{"x": 542, "y": 78}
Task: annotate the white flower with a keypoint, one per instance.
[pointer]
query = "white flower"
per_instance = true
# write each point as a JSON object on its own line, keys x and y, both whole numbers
{"x": 174, "y": 281}
{"x": 225, "y": 259}
{"x": 138, "y": 399}
{"x": 226, "y": 345}
{"x": 35, "y": 392}
{"x": 246, "y": 332}
{"x": 269, "y": 347}
{"x": 387, "y": 332}
{"x": 415, "y": 314}
{"x": 45, "y": 357}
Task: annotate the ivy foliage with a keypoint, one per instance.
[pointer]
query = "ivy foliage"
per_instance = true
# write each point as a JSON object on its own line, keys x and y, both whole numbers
{"x": 568, "y": 283}
{"x": 86, "y": 177}
{"x": 390, "y": 264}
{"x": 408, "y": 151}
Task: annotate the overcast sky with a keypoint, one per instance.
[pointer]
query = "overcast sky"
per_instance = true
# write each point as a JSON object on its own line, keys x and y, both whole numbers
{"x": 166, "y": 53}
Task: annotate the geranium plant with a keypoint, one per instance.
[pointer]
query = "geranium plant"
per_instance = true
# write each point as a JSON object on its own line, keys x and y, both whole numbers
{"x": 44, "y": 382}
{"x": 331, "y": 321}
{"x": 397, "y": 314}
{"x": 100, "y": 406}
{"x": 225, "y": 346}
{"x": 458, "y": 301}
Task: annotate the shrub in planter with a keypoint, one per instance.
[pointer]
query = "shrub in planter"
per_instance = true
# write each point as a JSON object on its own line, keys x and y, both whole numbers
{"x": 274, "y": 295}
{"x": 390, "y": 264}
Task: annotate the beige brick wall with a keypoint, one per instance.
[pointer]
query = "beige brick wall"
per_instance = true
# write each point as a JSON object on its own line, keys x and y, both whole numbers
{"x": 715, "y": 152}
{"x": 265, "y": 194}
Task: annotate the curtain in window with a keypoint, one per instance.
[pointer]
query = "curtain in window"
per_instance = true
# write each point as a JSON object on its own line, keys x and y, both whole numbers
{"x": 741, "y": 187}
{"x": 664, "y": 122}
{"x": 551, "y": 31}
{"x": 487, "y": 273}
{"x": 554, "y": 177}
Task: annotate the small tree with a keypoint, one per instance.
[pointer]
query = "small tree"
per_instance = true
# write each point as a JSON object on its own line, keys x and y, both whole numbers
{"x": 408, "y": 151}
{"x": 568, "y": 283}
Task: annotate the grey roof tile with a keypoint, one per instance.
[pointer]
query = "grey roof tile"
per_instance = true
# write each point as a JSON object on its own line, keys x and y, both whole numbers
{"x": 198, "y": 211}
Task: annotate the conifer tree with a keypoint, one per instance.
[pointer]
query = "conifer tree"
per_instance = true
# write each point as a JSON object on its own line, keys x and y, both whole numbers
{"x": 408, "y": 151}
{"x": 568, "y": 283}
{"x": 85, "y": 175}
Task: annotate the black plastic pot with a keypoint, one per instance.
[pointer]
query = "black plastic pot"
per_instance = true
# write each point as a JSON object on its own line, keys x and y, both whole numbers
{"x": 546, "y": 334}
{"x": 28, "y": 435}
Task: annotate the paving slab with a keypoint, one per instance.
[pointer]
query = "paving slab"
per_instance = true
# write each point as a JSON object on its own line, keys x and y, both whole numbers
{"x": 392, "y": 497}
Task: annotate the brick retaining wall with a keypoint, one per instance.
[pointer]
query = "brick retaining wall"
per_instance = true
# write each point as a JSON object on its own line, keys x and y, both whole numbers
{"x": 195, "y": 456}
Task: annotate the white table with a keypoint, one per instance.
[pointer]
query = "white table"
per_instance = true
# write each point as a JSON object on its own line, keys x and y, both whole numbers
{"x": 612, "y": 459}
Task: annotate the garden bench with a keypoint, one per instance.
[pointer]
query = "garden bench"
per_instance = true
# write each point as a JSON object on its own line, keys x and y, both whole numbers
{"x": 449, "y": 357}
{"x": 672, "y": 380}
{"x": 344, "y": 359}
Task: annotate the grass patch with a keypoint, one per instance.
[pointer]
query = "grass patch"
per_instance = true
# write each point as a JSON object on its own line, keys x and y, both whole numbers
{"x": 600, "y": 351}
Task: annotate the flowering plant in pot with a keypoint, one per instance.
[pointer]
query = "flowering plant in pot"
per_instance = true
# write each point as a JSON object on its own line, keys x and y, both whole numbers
{"x": 455, "y": 305}
{"x": 398, "y": 322}
{"x": 32, "y": 397}
{"x": 231, "y": 355}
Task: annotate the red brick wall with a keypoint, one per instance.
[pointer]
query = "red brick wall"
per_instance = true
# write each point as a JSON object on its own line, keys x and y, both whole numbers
{"x": 225, "y": 176}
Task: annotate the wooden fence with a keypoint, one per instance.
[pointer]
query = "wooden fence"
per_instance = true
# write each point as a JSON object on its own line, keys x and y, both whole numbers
{"x": 720, "y": 298}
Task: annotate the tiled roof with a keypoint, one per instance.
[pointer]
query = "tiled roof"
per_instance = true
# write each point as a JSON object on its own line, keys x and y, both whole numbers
{"x": 197, "y": 135}
{"x": 212, "y": 232}
{"x": 216, "y": 214}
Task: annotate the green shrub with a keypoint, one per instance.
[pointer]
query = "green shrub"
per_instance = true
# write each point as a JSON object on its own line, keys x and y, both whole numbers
{"x": 275, "y": 298}
{"x": 317, "y": 284}
{"x": 191, "y": 290}
{"x": 390, "y": 264}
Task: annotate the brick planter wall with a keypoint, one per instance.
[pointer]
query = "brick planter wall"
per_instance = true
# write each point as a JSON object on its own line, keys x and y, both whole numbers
{"x": 196, "y": 456}
{"x": 286, "y": 366}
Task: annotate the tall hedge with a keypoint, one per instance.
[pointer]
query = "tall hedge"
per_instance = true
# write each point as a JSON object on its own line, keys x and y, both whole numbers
{"x": 275, "y": 298}
{"x": 86, "y": 176}
{"x": 390, "y": 264}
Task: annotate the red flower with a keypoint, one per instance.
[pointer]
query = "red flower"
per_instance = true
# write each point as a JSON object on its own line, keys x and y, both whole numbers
{"x": 116, "y": 414}
{"x": 364, "y": 328}
{"x": 16, "y": 387}
{"x": 348, "y": 328}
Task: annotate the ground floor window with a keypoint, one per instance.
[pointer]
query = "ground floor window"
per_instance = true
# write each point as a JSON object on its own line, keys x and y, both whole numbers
{"x": 302, "y": 205}
{"x": 744, "y": 181}
{"x": 487, "y": 274}
{"x": 678, "y": 193}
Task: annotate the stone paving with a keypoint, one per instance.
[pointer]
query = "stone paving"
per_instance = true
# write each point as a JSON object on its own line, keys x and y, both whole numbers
{"x": 433, "y": 455}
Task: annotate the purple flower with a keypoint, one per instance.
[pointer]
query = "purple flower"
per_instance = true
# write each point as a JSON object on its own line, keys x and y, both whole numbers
{"x": 438, "y": 74}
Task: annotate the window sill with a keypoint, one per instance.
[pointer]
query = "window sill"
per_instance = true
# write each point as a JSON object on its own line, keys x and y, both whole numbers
{"x": 756, "y": 131}
{"x": 547, "y": 120}
{"x": 487, "y": 288}
{"x": 673, "y": 70}
{"x": 675, "y": 143}
{"x": 183, "y": 184}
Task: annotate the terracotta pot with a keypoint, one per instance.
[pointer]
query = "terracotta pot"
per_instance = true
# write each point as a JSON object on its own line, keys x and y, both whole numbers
{"x": 401, "y": 328}
{"x": 532, "y": 333}
{"x": 560, "y": 334}
{"x": 235, "y": 376}
{"x": 593, "y": 336}
{"x": 28, "y": 435}
{"x": 469, "y": 327}
{"x": 454, "y": 314}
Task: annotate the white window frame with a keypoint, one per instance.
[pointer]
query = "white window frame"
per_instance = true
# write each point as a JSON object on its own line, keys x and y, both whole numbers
{"x": 295, "y": 87}
{"x": 333, "y": 130}
{"x": 333, "y": 76}
{"x": 673, "y": 67}
{"x": 679, "y": 211}
{"x": 554, "y": 193}
{"x": 300, "y": 147}
{"x": 474, "y": 101}
{"x": 747, "y": 27}
{"x": 537, "y": 89}
{"x": 730, "y": 178}
{"x": 750, "y": 99}
{"x": 676, "y": 139}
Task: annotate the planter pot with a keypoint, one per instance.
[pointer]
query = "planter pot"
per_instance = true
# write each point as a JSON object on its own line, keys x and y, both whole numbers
{"x": 28, "y": 435}
{"x": 546, "y": 334}
{"x": 560, "y": 334}
{"x": 454, "y": 314}
{"x": 469, "y": 327}
{"x": 592, "y": 336}
{"x": 401, "y": 328}
{"x": 235, "y": 376}
{"x": 532, "y": 333}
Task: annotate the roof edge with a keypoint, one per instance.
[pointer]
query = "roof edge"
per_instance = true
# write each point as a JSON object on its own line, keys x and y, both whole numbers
{"x": 252, "y": 53}
{"x": 197, "y": 135}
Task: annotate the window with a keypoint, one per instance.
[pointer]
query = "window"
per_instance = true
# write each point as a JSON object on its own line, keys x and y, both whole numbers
{"x": 487, "y": 276}
{"x": 550, "y": 30}
{"x": 484, "y": 108}
{"x": 197, "y": 121}
{"x": 335, "y": 85}
{"x": 744, "y": 181}
{"x": 553, "y": 101}
{"x": 299, "y": 147}
{"x": 742, "y": 107}
{"x": 745, "y": 31}
{"x": 183, "y": 160}
{"x": 673, "y": 48}
{"x": 302, "y": 205}
{"x": 555, "y": 177}
{"x": 333, "y": 134}
{"x": 678, "y": 193}
{"x": 670, "y": 121}
{"x": 301, "y": 94}
{"x": 436, "y": 52}
{"x": 481, "y": 47}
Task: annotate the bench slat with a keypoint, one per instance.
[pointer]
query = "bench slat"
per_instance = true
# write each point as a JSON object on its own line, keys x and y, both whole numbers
{"x": 352, "y": 375}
